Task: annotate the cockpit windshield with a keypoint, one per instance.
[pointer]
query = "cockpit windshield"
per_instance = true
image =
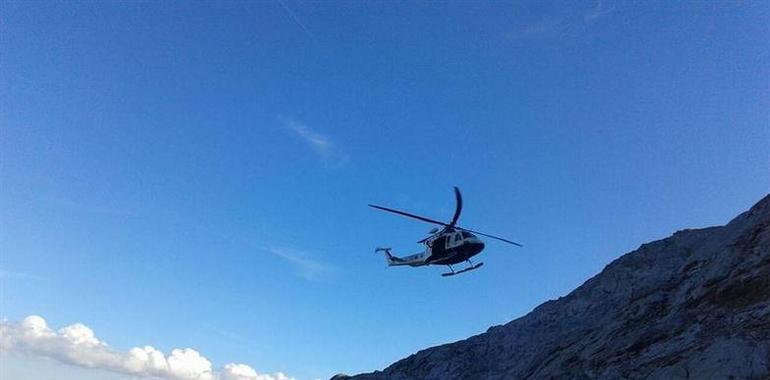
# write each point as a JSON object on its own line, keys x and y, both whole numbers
{"x": 467, "y": 235}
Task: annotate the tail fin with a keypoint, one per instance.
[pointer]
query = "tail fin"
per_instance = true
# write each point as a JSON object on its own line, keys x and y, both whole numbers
{"x": 388, "y": 257}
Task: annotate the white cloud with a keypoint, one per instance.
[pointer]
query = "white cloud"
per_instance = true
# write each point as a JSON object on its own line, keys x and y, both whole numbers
{"x": 244, "y": 372}
{"x": 78, "y": 345}
{"x": 321, "y": 144}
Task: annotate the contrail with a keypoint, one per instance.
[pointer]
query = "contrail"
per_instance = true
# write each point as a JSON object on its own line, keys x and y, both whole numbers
{"x": 296, "y": 20}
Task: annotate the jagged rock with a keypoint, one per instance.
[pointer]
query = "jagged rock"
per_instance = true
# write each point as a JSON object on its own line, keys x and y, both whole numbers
{"x": 694, "y": 305}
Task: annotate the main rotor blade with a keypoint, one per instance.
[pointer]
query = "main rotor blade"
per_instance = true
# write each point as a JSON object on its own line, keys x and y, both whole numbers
{"x": 459, "y": 207}
{"x": 424, "y": 219}
{"x": 490, "y": 236}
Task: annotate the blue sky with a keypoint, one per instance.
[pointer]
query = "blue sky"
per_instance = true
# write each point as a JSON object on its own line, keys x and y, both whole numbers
{"x": 195, "y": 175}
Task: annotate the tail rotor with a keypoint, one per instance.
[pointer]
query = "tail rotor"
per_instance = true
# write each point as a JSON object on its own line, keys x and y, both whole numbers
{"x": 388, "y": 255}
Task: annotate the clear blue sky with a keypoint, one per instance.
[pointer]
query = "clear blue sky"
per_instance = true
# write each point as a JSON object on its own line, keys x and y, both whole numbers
{"x": 196, "y": 175}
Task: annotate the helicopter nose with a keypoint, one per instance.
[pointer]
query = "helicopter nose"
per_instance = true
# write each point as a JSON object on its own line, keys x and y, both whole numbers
{"x": 477, "y": 246}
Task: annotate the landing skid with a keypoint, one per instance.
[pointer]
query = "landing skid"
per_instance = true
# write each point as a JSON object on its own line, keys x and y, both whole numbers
{"x": 470, "y": 268}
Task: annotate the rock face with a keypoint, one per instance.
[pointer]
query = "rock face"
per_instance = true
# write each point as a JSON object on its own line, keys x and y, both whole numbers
{"x": 694, "y": 305}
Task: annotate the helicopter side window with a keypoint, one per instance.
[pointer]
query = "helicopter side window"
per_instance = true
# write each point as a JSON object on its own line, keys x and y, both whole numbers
{"x": 458, "y": 237}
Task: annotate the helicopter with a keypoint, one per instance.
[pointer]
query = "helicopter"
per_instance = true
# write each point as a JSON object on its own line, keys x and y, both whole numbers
{"x": 447, "y": 245}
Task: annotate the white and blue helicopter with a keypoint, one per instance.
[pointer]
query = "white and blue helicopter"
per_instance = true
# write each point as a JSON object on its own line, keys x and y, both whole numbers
{"x": 449, "y": 245}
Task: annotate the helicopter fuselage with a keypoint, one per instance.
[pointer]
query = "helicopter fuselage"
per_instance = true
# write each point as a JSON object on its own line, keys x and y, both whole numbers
{"x": 453, "y": 248}
{"x": 456, "y": 255}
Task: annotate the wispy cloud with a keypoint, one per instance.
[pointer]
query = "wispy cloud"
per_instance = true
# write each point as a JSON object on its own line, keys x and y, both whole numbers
{"x": 89, "y": 207}
{"x": 600, "y": 10}
{"x": 229, "y": 335}
{"x": 565, "y": 22}
{"x": 11, "y": 275}
{"x": 548, "y": 26}
{"x": 306, "y": 267}
{"x": 297, "y": 20}
{"x": 305, "y": 263}
{"x": 78, "y": 345}
{"x": 321, "y": 144}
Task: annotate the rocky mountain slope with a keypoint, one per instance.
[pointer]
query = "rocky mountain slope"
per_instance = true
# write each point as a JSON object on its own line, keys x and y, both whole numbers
{"x": 694, "y": 305}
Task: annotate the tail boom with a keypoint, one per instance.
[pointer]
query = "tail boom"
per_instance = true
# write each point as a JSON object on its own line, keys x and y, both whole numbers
{"x": 413, "y": 260}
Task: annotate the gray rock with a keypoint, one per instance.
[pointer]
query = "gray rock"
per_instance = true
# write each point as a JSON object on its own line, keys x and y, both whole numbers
{"x": 694, "y": 305}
